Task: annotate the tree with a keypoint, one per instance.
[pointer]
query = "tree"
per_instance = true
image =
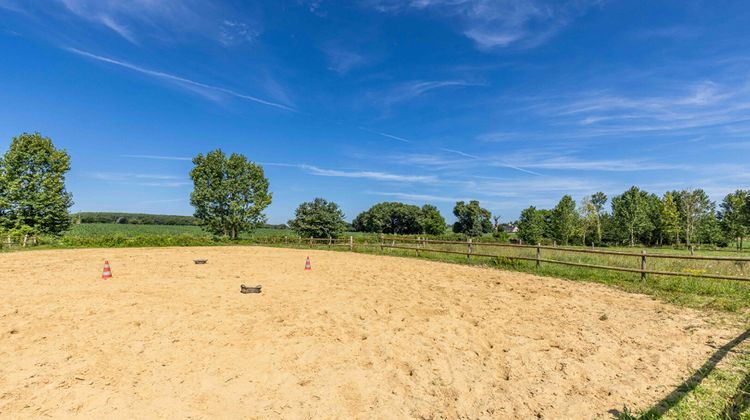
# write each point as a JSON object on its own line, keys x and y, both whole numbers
{"x": 531, "y": 226}
{"x": 598, "y": 200}
{"x": 589, "y": 217}
{"x": 229, "y": 194}
{"x": 670, "y": 218}
{"x": 630, "y": 212}
{"x": 431, "y": 220}
{"x": 734, "y": 216}
{"x": 694, "y": 205}
{"x": 565, "y": 219}
{"x": 652, "y": 233}
{"x": 33, "y": 198}
{"x": 319, "y": 219}
{"x": 471, "y": 219}
{"x": 390, "y": 217}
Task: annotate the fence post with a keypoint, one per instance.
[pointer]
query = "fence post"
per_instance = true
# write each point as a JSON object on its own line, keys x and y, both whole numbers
{"x": 417, "y": 247}
{"x": 330, "y": 241}
{"x": 538, "y": 254}
{"x": 381, "y": 243}
{"x": 311, "y": 242}
{"x": 468, "y": 253}
{"x": 692, "y": 250}
{"x": 351, "y": 243}
{"x": 643, "y": 264}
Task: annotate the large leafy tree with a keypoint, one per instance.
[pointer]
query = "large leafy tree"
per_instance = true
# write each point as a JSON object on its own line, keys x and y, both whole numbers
{"x": 33, "y": 198}
{"x": 670, "y": 218}
{"x": 653, "y": 232}
{"x": 390, "y": 217}
{"x": 734, "y": 216}
{"x": 565, "y": 220}
{"x": 471, "y": 219}
{"x": 694, "y": 206}
{"x": 230, "y": 193}
{"x": 431, "y": 220}
{"x": 630, "y": 211}
{"x": 319, "y": 219}
{"x": 591, "y": 210}
{"x": 531, "y": 226}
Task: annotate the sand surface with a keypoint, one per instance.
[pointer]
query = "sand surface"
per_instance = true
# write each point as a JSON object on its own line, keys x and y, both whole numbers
{"x": 359, "y": 336}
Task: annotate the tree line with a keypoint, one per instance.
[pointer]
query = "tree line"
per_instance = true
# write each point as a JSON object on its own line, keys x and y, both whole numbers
{"x": 637, "y": 217}
{"x": 231, "y": 193}
{"x": 134, "y": 218}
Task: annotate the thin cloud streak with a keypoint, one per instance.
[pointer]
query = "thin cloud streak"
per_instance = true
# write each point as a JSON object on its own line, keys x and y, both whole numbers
{"x": 418, "y": 197}
{"x": 390, "y": 136}
{"x": 177, "y": 79}
{"x": 157, "y": 157}
{"x": 373, "y": 175}
{"x": 506, "y": 165}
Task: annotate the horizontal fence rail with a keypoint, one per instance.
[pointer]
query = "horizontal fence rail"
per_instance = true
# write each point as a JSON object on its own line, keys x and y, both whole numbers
{"x": 470, "y": 250}
{"x": 470, "y": 245}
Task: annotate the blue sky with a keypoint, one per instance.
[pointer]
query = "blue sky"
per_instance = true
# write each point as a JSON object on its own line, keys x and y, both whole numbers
{"x": 513, "y": 103}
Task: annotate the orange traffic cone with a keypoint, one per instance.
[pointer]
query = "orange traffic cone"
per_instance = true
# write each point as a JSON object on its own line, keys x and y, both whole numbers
{"x": 107, "y": 273}
{"x": 307, "y": 264}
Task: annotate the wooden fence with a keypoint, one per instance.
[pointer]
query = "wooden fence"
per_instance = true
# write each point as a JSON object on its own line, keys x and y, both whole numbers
{"x": 9, "y": 242}
{"x": 423, "y": 245}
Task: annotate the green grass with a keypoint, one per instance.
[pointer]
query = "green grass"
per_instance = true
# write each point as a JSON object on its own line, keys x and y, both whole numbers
{"x": 99, "y": 229}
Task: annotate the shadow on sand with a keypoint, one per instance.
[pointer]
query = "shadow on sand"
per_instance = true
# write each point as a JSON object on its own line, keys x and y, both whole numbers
{"x": 740, "y": 400}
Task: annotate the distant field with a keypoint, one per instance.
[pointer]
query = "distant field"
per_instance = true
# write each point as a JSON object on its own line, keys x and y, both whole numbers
{"x": 99, "y": 229}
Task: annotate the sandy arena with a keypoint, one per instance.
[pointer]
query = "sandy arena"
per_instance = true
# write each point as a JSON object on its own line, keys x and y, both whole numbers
{"x": 359, "y": 336}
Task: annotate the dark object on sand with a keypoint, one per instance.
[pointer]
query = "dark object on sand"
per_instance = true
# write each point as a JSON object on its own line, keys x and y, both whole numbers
{"x": 200, "y": 261}
{"x": 249, "y": 289}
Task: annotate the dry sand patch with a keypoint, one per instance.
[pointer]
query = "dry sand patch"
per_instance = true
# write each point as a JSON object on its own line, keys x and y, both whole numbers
{"x": 358, "y": 336}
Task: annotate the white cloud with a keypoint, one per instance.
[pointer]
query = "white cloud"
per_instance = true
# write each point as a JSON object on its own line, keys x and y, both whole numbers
{"x": 390, "y": 136}
{"x": 206, "y": 90}
{"x": 418, "y": 197}
{"x": 407, "y": 91}
{"x": 342, "y": 60}
{"x": 235, "y": 32}
{"x": 157, "y": 157}
{"x": 605, "y": 165}
{"x": 372, "y": 175}
{"x": 497, "y": 23}
{"x": 142, "y": 179}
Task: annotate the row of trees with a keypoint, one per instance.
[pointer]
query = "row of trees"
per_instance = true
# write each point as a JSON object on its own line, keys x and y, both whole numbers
{"x": 686, "y": 216}
{"x": 321, "y": 218}
{"x": 231, "y": 193}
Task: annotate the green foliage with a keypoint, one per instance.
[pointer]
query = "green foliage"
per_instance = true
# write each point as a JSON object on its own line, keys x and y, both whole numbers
{"x": 531, "y": 226}
{"x": 630, "y": 210}
{"x": 400, "y": 219}
{"x": 670, "y": 218}
{"x": 735, "y": 216}
{"x": 134, "y": 218}
{"x": 33, "y": 198}
{"x": 500, "y": 235}
{"x": 431, "y": 220}
{"x": 229, "y": 194}
{"x": 318, "y": 219}
{"x": 471, "y": 219}
{"x": 565, "y": 220}
{"x": 694, "y": 207}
